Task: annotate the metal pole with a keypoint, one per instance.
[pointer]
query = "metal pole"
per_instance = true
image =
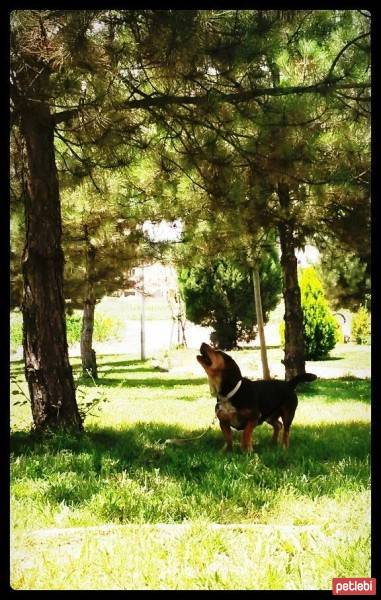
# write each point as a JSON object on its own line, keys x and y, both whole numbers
{"x": 261, "y": 330}
{"x": 142, "y": 321}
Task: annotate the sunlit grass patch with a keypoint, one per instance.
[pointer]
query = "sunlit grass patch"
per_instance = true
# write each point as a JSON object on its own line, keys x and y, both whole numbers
{"x": 195, "y": 557}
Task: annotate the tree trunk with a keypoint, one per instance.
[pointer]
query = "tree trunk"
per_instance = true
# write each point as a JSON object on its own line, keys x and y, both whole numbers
{"x": 47, "y": 368}
{"x": 89, "y": 363}
{"x": 294, "y": 353}
{"x": 260, "y": 323}
{"x": 183, "y": 338}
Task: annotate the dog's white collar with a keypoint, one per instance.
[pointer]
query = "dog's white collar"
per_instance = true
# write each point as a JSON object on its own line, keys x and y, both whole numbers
{"x": 231, "y": 394}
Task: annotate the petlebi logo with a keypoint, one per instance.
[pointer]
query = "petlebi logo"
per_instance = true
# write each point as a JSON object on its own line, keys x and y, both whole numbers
{"x": 354, "y": 586}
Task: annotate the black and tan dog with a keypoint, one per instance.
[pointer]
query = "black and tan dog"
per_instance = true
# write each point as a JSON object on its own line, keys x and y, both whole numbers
{"x": 244, "y": 404}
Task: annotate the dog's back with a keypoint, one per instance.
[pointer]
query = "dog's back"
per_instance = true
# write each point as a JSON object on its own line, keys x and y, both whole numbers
{"x": 268, "y": 396}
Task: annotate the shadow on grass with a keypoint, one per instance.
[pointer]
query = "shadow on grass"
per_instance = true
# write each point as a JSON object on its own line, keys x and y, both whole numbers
{"x": 257, "y": 348}
{"x": 123, "y": 366}
{"x": 331, "y": 390}
{"x": 17, "y": 367}
{"x": 173, "y": 483}
{"x": 142, "y": 444}
{"x": 104, "y": 359}
{"x": 138, "y": 364}
{"x": 126, "y": 370}
{"x": 159, "y": 382}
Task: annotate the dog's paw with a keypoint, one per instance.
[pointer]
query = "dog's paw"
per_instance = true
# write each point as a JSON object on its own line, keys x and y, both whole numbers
{"x": 227, "y": 449}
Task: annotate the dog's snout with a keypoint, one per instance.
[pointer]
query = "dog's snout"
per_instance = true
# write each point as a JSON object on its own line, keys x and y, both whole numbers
{"x": 203, "y": 347}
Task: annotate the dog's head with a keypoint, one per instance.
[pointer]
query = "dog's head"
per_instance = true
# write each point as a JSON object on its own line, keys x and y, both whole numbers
{"x": 222, "y": 371}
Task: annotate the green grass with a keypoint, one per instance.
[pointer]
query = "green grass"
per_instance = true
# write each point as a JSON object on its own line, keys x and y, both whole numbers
{"x": 197, "y": 558}
{"x": 119, "y": 472}
{"x": 346, "y": 356}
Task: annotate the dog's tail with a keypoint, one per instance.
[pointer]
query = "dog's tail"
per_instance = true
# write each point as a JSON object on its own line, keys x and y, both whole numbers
{"x": 299, "y": 378}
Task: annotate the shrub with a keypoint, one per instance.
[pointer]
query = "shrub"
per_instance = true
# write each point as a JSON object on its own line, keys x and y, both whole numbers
{"x": 361, "y": 326}
{"x": 321, "y": 330}
{"x": 105, "y": 327}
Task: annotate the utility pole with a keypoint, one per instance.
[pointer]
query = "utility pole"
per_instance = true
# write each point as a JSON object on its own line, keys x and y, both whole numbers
{"x": 142, "y": 321}
{"x": 261, "y": 330}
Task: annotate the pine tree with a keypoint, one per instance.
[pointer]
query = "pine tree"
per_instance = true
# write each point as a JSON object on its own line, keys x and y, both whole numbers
{"x": 47, "y": 368}
{"x": 289, "y": 150}
{"x": 102, "y": 243}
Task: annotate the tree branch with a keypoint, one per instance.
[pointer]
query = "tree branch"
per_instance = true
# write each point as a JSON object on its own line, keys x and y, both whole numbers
{"x": 333, "y": 65}
{"x": 82, "y": 161}
{"x": 233, "y": 98}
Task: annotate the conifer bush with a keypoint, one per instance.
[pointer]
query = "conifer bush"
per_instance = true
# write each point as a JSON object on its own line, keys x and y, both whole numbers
{"x": 220, "y": 295}
{"x": 321, "y": 330}
{"x": 361, "y": 326}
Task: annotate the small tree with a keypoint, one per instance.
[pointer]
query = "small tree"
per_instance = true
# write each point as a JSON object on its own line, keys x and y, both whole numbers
{"x": 320, "y": 327}
{"x": 220, "y": 295}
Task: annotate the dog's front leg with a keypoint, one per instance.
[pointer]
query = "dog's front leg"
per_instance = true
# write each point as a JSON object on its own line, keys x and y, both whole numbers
{"x": 227, "y": 432}
{"x": 247, "y": 437}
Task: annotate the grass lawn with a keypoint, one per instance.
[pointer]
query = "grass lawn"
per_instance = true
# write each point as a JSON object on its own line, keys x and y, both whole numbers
{"x": 301, "y": 517}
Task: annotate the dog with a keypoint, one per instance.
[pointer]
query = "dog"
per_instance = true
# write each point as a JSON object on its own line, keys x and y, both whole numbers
{"x": 244, "y": 404}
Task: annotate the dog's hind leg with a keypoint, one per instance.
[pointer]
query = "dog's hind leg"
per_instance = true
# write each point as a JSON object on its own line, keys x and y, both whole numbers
{"x": 287, "y": 413}
{"x": 286, "y": 437}
{"x": 277, "y": 426}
